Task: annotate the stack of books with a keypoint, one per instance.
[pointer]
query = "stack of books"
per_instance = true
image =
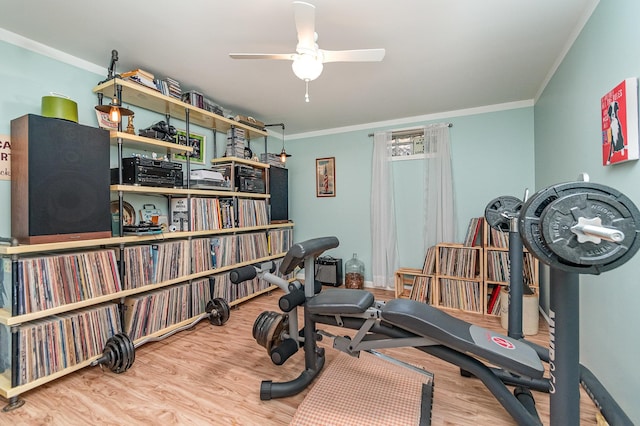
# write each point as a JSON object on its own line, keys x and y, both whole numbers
{"x": 142, "y": 77}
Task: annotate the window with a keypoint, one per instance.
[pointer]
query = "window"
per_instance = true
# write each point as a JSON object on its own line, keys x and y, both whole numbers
{"x": 407, "y": 144}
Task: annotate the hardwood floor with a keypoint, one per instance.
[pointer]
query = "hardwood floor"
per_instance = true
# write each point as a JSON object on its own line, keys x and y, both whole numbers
{"x": 211, "y": 375}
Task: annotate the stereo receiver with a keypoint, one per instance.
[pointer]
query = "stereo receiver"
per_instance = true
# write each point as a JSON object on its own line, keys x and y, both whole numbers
{"x": 149, "y": 172}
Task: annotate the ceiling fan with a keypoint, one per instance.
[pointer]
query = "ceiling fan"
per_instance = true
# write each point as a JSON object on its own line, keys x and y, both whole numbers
{"x": 308, "y": 59}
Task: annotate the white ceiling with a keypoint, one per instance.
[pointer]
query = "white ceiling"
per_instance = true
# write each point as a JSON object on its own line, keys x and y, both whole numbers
{"x": 441, "y": 55}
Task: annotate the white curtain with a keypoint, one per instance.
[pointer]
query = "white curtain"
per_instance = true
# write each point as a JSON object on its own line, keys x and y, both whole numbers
{"x": 384, "y": 259}
{"x": 439, "y": 212}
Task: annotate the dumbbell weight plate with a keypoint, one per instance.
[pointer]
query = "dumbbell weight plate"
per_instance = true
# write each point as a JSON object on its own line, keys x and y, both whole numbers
{"x": 268, "y": 329}
{"x": 119, "y": 353}
{"x": 497, "y": 208}
{"x": 219, "y": 311}
{"x": 591, "y": 257}
{"x": 129, "y": 350}
{"x": 533, "y": 230}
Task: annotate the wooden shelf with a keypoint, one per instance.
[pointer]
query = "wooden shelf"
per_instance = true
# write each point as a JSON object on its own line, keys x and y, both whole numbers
{"x": 138, "y": 189}
{"x": 152, "y": 100}
{"x": 223, "y": 160}
{"x": 114, "y": 241}
{"x": 7, "y": 391}
{"x": 141, "y": 142}
{"x": 7, "y": 319}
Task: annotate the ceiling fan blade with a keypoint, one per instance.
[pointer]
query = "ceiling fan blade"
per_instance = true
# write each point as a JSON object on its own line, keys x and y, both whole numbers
{"x": 305, "y": 16}
{"x": 358, "y": 55}
{"x": 288, "y": 56}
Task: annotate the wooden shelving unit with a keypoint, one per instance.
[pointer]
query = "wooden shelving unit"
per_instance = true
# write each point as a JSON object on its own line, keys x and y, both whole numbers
{"x": 496, "y": 261}
{"x": 465, "y": 277}
{"x": 459, "y": 277}
{"x": 18, "y": 362}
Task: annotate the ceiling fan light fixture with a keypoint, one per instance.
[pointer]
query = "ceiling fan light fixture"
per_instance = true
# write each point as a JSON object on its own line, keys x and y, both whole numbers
{"x": 307, "y": 67}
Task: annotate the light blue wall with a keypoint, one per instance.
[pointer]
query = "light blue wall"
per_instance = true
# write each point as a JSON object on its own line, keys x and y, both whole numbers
{"x": 492, "y": 156}
{"x": 568, "y": 142}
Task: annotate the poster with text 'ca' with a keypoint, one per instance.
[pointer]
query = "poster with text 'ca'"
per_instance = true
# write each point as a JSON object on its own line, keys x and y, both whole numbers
{"x": 5, "y": 157}
{"x": 620, "y": 123}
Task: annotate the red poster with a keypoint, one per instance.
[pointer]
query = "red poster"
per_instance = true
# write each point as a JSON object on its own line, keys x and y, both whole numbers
{"x": 620, "y": 123}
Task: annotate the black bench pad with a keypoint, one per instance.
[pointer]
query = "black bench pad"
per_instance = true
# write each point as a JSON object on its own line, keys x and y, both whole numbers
{"x": 340, "y": 301}
{"x": 425, "y": 320}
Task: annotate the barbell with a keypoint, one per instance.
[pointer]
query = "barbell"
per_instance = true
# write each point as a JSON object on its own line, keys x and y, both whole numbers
{"x": 119, "y": 352}
{"x": 580, "y": 227}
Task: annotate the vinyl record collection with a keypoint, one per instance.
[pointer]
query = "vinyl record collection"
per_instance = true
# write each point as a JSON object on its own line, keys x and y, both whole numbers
{"x": 280, "y": 240}
{"x": 422, "y": 289}
{"x": 46, "y": 282}
{"x": 151, "y": 312}
{"x": 459, "y": 262}
{"x": 53, "y": 344}
{"x": 154, "y": 263}
{"x": 460, "y": 294}
{"x": 498, "y": 267}
{"x": 252, "y": 213}
{"x": 214, "y": 252}
{"x": 457, "y": 293}
{"x": 252, "y": 246}
{"x": 206, "y": 213}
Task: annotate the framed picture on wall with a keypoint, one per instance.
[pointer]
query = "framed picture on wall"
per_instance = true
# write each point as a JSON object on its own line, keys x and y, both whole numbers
{"x": 326, "y": 177}
{"x": 198, "y": 144}
{"x": 620, "y": 123}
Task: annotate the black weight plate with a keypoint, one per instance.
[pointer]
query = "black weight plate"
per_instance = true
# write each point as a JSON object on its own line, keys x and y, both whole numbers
{"x": 220, "y": 312}
{"x": 268, "y": 328}
{"x": 110, "y": 353}
{"x": 130, "y": 351}
{"x": 497, "y": 208}
{"x": 530, "y": 223}
{"x": 273, "y": 336}
{"x": 124, "y": 353}
{"x": 259, "y": 327}
{"x": 563, "y": 213}
{"x": 209, "y": 307}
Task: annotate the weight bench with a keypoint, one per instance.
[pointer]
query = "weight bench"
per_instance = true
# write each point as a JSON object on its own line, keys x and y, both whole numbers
{"x": 392, "y": 324}
{"x": 434, "y": 325}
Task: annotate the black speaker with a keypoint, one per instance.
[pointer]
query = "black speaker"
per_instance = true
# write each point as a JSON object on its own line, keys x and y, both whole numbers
{"x": 279, "y": 190}
{"x": 329, "y": 271}
{"x": 60, "y": 180}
